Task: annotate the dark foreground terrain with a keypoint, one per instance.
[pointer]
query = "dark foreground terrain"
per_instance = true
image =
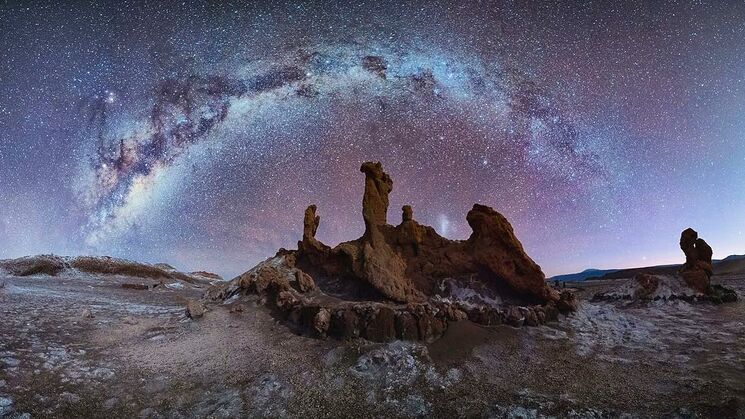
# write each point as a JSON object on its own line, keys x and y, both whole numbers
{"x": 140, "y": 356}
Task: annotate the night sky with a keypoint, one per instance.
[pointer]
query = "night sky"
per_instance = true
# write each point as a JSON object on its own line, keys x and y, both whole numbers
{"x": 196, "y": 133}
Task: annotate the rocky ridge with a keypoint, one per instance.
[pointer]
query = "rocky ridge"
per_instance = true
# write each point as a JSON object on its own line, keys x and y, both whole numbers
{"x": 55, "y": 266}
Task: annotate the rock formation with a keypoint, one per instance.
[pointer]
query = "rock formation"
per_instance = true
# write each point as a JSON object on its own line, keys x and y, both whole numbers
{"x": 693, "y": 283}
{"x": 404, "y": 281}
{"x": 375, "y": 200}
{"x": 697, "y": 270}
{"x": 310, "y": 223}
{"x": 407, "y": 214}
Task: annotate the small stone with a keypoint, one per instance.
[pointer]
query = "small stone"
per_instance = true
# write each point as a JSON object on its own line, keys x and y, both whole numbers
{"x": 87, "y": 314}
{"x": 129, "y": 320}
{"x": 194, "y": 309}
{"x": 10, "y": 361}
{"x": 110, "y": 403}
{"x": 70, "y": 397}
{"x": 149, "y": 413}
{"x": 321, "y": 322}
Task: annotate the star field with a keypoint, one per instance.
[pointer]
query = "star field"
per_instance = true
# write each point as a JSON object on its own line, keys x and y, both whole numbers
{"x": 196, "y": 133}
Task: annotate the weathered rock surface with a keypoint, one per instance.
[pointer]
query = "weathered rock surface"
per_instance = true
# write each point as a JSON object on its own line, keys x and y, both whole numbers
{"x": 403, "y": 281}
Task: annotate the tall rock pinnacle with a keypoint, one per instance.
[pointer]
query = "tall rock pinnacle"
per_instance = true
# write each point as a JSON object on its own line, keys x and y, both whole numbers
{"x": 375, "y": 200}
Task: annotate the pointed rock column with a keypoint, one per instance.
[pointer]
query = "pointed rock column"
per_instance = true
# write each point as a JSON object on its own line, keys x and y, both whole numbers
{"x": 381, "y": 265}
{"x": 309, "y": 245}
{"x": 310, "y": 223}
{"x": 375, "y": 200}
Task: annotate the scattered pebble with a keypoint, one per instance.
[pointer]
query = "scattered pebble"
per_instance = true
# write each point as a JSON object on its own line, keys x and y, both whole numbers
{"x": 110, "y": 403}
{"x": 6, "y": 406}
{"x": 69, "y": 397}
{"x": 149, "y": 413}
{"x": 10, "y": 361}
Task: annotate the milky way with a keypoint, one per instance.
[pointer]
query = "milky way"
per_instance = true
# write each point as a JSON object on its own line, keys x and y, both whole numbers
{"x": 197, "y": 135}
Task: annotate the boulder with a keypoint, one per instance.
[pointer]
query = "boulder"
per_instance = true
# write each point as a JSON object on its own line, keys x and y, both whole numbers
{"x": 322, "y": 321}
{"x": 194, "y": 309}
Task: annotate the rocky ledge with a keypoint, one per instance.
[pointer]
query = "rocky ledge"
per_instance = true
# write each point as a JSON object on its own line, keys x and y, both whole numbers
{"x": 404, "y": 281}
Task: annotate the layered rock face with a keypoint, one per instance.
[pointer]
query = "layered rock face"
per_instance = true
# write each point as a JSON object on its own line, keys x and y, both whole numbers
{"x": 404, "y": 281}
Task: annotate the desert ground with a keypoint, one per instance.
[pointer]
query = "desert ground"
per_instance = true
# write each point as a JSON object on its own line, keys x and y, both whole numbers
{"x": 84, "y": 346}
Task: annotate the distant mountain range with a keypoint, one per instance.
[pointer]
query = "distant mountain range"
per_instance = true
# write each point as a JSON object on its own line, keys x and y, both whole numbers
{"x": 733, "y": 264}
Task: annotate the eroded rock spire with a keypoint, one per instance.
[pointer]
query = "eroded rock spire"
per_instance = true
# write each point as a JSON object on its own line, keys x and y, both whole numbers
{"x": 310, "y": 223}
{"x": 375, "y": 200}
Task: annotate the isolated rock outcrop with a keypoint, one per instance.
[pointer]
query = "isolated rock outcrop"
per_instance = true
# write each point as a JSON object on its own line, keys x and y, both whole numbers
{"x": 692, "y": 284}
{"x": 403, "y": 281}
{"x": 697, "y": 270}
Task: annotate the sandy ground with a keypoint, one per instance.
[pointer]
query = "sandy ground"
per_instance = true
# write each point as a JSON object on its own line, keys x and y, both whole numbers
{"x": 139, "y": 356}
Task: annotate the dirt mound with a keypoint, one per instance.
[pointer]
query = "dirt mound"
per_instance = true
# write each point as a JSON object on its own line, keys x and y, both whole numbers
{"x": 404, "y": 281}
